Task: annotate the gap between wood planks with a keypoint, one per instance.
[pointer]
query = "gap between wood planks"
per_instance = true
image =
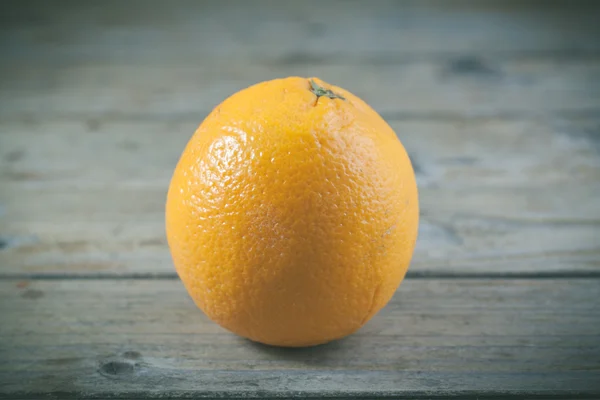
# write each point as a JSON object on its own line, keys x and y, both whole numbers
{"x": 389, "y": 116}
{"x": 410, "y": 275}
{"x": 332, "y": 395}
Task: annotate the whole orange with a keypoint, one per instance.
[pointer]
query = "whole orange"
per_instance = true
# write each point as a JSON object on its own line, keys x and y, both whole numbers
{"x": 292, "y": 214}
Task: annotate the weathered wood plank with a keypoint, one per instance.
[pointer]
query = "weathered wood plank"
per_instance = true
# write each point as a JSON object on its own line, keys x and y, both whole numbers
{"x": 497, "y": 103}
{"x": 89, "y": 338}
{"x": 514, "y": 88}
{"x": 121, "y": 231}
{"x": 496, "y": 197}
{"x": 538, "y": 153}
{"x": 291, "y": 32}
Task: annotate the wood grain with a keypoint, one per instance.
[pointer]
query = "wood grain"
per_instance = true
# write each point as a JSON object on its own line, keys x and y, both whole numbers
{"x": 496, "y": 197}
{"x": 293, "y": 32}
{"x": 494, "y": 154}
{"x": 408, "y": 59}
{"x": 496, "y": 102}
{"x": 467, "y": 87}
{"x": 90, "y": 338}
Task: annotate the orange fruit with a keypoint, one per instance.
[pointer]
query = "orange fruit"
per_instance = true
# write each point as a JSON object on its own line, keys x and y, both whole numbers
{"x": 292, "y": 213}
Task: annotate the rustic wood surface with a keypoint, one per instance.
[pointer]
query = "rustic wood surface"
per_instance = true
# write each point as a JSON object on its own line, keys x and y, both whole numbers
{"x": 520, "y": 197}
{"x": 497, "y": 103}
{"x": 82, "y": 337}
{"x": 461, "y": 87}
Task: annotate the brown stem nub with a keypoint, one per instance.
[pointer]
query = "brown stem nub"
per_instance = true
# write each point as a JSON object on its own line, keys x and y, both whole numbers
{"x": 321, "y": 91}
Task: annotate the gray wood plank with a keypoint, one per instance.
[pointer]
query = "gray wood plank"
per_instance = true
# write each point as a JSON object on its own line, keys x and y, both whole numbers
{"x": 497, "y": 197}
{"x": 470, "y": 337}
{"x": 463, "y": 154}
{"x": 112, "y": 231}
{"x": 291, "y": 32}
{"x": 438, "y": 90}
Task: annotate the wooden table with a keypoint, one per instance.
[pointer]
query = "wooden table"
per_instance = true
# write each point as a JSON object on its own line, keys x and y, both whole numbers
{"x": 497, "y": 102}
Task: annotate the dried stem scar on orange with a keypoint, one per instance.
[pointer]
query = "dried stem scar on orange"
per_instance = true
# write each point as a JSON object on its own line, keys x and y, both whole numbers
{"x": 292, "y": 214}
